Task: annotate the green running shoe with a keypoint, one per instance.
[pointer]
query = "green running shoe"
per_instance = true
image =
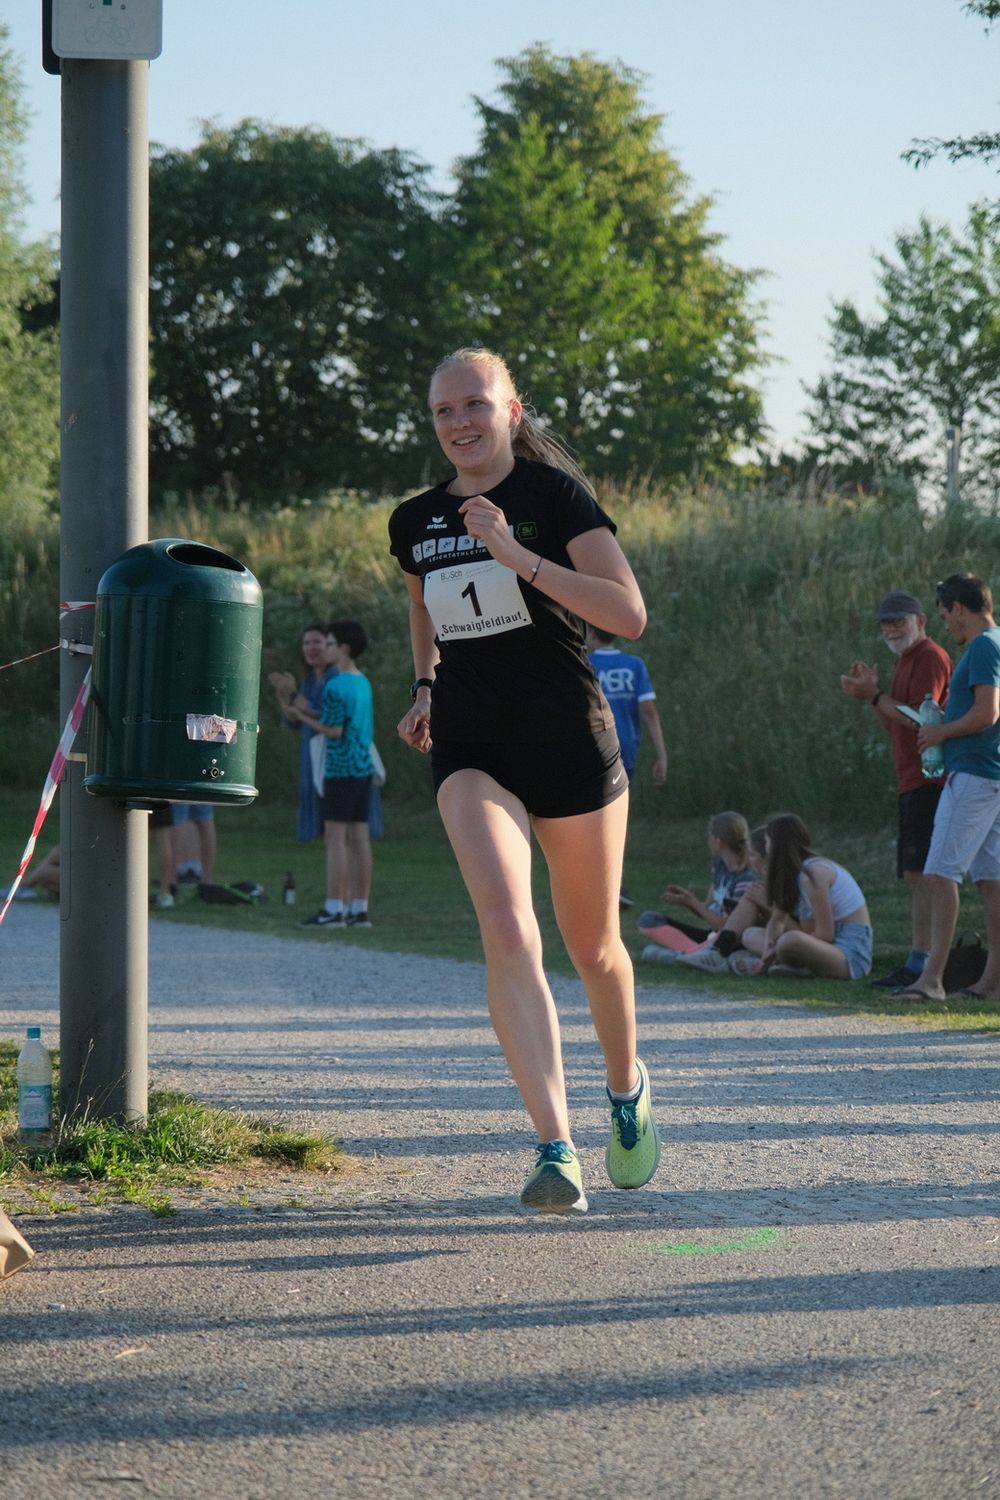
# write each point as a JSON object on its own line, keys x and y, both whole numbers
{"x": 555, "y": 1185}
{"x": 633, "y": 1153}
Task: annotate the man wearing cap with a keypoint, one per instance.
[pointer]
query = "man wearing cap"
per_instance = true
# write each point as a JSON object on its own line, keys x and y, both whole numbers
{"x": 922, "y": 667}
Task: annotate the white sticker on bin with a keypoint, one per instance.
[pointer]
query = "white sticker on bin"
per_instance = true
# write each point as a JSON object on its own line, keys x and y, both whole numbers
{"x": 211, "y": 727}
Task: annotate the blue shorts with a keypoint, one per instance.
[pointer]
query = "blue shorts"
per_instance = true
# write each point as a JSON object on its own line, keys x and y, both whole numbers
{"x": 854, "y": 939}
{"x": 193, "y": 812}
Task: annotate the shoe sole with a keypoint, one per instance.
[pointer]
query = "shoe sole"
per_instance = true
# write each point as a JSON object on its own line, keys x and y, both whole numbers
{"x": 629, "y": 1186}
{"x": 552, "y": 1192}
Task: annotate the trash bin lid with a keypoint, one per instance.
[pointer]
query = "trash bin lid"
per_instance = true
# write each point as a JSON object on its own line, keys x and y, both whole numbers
{"x": 175, "y": 568}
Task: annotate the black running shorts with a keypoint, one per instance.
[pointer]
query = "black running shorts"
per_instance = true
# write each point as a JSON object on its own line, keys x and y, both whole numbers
{"x": 557, "y": 780}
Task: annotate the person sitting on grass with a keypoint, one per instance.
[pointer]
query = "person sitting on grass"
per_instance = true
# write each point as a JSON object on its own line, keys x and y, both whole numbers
{"x": 732, "y": 873}
{"x": 819, "y": 921}
{"x": 739, "y": 943}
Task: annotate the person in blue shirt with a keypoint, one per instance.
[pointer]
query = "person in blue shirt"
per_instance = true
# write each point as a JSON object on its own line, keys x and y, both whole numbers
{"x": 966, "y": 838}
{"x": 625, "y": 683}
{"x": 346, "y": 719}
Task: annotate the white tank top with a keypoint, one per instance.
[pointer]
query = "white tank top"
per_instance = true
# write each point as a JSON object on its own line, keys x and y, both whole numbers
{"x": 845, "y": 893}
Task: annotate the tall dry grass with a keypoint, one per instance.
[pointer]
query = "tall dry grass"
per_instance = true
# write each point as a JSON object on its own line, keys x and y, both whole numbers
{"x": 757, "y": 601}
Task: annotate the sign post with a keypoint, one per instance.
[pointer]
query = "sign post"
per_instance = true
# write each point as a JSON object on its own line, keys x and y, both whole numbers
{"x": 99, "y": 50}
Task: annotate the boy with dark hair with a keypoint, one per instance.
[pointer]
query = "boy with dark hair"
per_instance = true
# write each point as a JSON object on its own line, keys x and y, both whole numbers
{"x": 346, "y": 719}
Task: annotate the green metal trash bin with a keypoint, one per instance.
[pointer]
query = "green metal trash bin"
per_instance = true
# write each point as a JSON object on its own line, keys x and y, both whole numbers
{"x": 176, "y": 677}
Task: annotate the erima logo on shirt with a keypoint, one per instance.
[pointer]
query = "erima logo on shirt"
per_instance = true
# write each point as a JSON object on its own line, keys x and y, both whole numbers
{"x": 436, "y": 523}
{"x": 442, "y": 546}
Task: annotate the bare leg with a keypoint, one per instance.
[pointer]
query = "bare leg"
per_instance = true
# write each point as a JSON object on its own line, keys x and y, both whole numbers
{"x": 490, "y": 833}
{"x": 359, "y": 861}
{"x": 812, "y": 953}
{"x": 989, "y": 984}
{"x": 584, "y": 856}
{"x": 206, "y": 849}
{"x": 920, "y": 909}
{"x": 335, "y": 842}
{"x": 944, "y": 916}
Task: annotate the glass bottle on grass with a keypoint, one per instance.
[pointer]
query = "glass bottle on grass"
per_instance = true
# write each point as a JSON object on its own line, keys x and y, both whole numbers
{"x": 34, "y": 1088}
{"x": 931, "y": 759}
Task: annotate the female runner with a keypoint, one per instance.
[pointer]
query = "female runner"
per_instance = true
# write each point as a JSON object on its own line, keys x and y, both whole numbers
{"x": 502, "y": 562}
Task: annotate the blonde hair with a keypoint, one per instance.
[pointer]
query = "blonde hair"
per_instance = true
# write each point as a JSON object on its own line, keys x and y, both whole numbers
{"x": 733, "y": 830}
{"x": 529, "y": 439}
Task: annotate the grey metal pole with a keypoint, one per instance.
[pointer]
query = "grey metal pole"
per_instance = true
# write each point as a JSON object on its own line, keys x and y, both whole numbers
{"x": 104, "y": 497}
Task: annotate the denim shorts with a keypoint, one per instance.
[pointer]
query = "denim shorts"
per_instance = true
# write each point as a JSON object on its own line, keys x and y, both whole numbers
{"x": 192, "y": 812}
{"x": 966, "y": 830}
{"x": 854, "y": 939}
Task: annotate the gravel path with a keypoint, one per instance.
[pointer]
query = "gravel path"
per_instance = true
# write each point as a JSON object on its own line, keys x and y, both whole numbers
{"x": 804, "y": 1302}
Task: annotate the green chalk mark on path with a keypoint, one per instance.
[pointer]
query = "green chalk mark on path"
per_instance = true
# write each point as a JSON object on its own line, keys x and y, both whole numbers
{"x": 752, "y": 1241}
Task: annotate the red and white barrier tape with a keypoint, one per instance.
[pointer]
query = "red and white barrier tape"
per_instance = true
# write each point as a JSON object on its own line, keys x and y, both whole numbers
{"x": 70, "y": 731}
{"x": 66, "y": 607}
{"x": 21, "y": 659}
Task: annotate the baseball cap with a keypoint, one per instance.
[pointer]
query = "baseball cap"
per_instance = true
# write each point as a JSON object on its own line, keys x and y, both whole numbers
{"x": 899, "y": 603}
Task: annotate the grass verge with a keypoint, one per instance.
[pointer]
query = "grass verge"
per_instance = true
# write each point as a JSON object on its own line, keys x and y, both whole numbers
{"x": 181, "y": 1140}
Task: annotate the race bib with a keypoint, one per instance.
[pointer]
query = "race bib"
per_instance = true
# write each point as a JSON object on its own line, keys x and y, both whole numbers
{"x": 474, "y": 599}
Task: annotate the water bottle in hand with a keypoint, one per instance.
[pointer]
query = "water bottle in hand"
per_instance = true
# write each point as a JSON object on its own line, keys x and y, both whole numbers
{"x": 931, "y": 759}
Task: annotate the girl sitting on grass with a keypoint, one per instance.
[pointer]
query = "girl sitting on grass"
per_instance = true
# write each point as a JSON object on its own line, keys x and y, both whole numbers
{"x": 819, "y": 921}
{"x": 739, "y": 943}
{"x": 732, "y": 874}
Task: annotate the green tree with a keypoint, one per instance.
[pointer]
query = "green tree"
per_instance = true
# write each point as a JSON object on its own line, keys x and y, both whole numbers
{"x": 930, "y": 359}
{"x": 985, "y": 146}
{"x": 29, "y": 358}
{"x": 288, "y": 274}
{"x": 586, "y": 263}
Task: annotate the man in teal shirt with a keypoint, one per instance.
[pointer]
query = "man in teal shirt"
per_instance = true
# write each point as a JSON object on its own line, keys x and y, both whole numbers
{"x": 966, "y": 838}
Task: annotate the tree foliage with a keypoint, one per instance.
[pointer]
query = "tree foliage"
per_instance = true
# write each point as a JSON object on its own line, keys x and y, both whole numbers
{"x": 29, "y": 360}
{"x": 303, "y": 288}
{"x": 930, "y": 359}
{"x": 287, "y": 274}
{"x": 985, "y": 145}
{"x": 588, "y": 265}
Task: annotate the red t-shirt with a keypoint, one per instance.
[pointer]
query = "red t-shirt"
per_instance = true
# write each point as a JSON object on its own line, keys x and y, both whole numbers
{"x": 924, "y": 669}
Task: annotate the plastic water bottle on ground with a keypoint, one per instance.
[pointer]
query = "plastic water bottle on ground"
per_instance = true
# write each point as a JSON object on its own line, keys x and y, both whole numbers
{"x": 34, "y": 1088}
{"x": 931, "y": 759}
{"x": 288, "y": 892}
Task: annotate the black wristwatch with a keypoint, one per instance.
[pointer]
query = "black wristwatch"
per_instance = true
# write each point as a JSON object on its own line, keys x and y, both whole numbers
{"x": 427, "y": 682}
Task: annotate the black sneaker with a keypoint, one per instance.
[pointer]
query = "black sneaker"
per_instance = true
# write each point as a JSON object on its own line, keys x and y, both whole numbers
{"x": 325, "y": 919}
{"x": 358, "y": 919}
{"x": 899, "y": 979}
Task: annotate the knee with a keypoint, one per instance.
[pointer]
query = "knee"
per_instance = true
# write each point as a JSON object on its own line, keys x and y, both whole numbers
{"x": 594, "y": 953}
{"x": 789, "y": 945}
{"x": 508, "y": 933}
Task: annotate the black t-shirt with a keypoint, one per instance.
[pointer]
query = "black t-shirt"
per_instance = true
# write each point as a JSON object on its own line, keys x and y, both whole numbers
{"x": 513, "y": 666}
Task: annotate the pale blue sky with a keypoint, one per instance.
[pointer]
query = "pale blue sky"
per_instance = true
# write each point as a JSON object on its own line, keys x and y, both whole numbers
{"x": 791, "y": 113}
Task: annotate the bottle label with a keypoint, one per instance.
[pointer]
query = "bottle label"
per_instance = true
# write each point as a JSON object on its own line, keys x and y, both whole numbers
{"x": 34, "y": 1106}
{"x": 290, "y": 896}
